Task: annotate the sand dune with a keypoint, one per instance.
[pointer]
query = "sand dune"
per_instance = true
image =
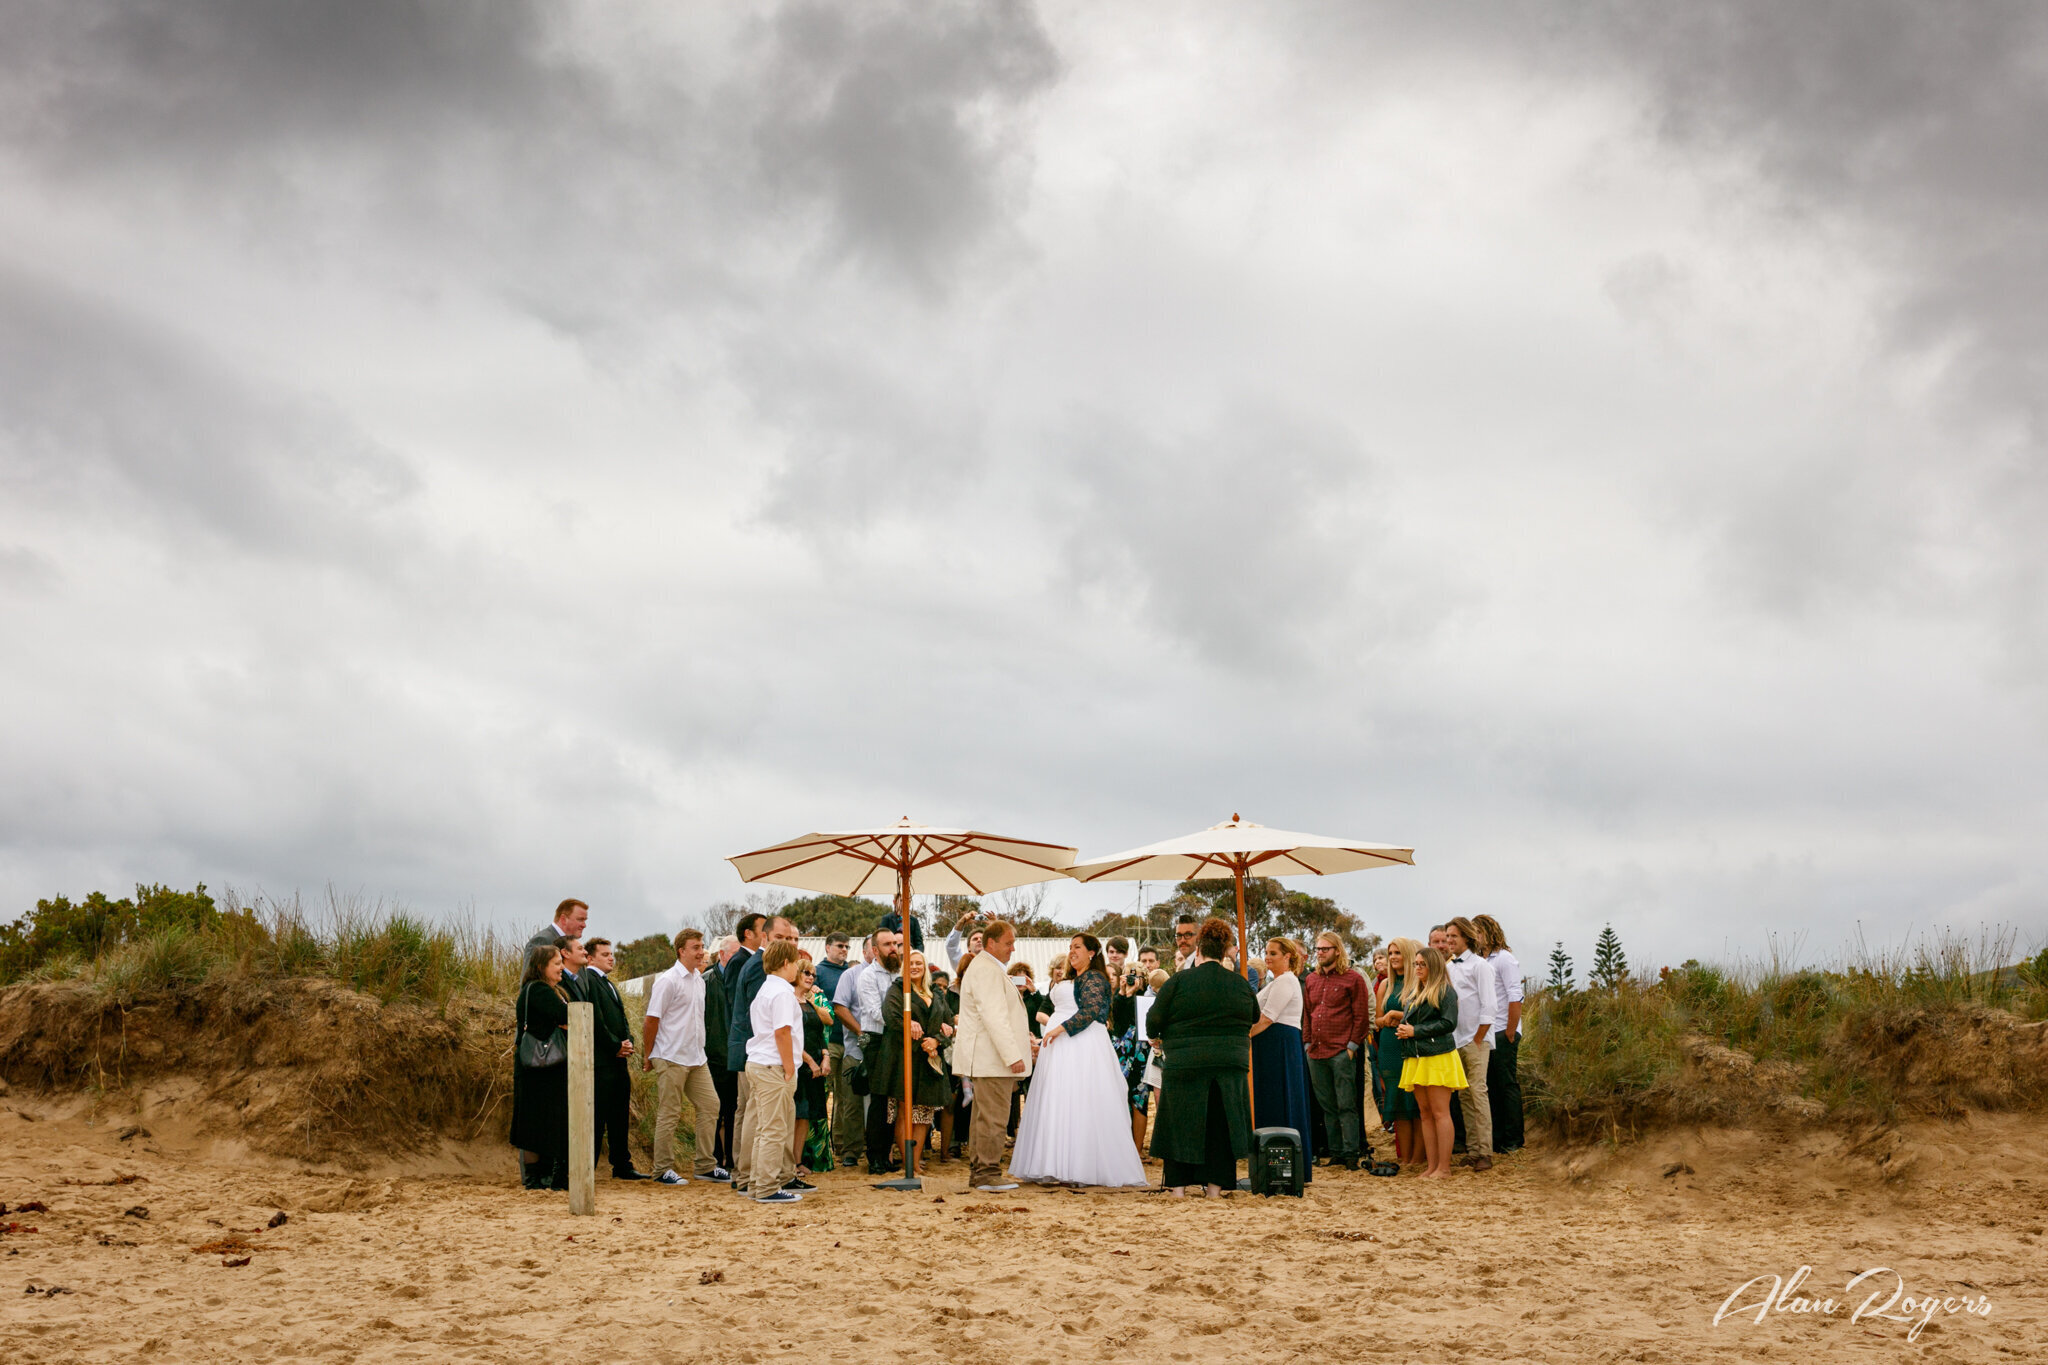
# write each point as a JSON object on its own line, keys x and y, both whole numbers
{"x": 1555, "y": 1256}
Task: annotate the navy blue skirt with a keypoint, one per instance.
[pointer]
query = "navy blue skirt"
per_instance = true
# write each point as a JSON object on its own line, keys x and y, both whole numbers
{"x": 1280, "y": 1090}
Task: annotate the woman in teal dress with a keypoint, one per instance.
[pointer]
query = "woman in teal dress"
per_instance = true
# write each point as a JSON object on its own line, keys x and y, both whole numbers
{"x": 813, "y": 1130}
{"x": 1399, "y": 1112}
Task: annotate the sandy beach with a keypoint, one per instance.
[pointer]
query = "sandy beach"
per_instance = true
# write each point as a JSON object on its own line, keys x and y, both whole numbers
{"x": 1595, "y": 1254}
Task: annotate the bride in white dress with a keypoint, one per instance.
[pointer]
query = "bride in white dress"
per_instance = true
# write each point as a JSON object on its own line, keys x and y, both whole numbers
{"x": 1076, "y": 1127}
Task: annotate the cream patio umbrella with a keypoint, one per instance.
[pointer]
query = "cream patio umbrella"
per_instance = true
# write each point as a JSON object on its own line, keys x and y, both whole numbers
{"x": 907, "y": 859}
{"x": 1238, "y": 848}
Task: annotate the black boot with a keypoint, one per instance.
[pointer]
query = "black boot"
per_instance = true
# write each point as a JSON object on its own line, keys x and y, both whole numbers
{"x": 531, "y": 1176}
{"x": 558, "y": 1175}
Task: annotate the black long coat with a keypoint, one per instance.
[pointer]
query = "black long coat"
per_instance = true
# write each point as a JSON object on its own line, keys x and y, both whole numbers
{"x": 885, "y": 1063}
{"x": 1203, "y": 1017}
{"x": 540, "y": 1095}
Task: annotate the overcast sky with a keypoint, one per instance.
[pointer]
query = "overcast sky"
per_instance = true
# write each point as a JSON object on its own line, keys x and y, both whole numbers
{"x": 476, "y": 453}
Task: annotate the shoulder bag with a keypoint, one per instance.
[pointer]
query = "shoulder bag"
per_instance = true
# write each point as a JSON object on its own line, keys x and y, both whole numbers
{"x": 538, "y": 1053}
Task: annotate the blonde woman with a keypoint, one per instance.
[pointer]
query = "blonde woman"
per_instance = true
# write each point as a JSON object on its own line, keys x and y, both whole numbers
{"x": 1400, "y": 1112}
{"x": 1431, "y": 1069}
{"x": 931, "y": 1023}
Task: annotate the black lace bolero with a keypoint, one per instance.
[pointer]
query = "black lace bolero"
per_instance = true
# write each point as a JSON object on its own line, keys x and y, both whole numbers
{"x": 1092, "y": 996}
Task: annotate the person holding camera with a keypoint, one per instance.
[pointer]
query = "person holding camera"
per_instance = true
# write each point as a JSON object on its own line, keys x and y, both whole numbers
{"x": 964, "y": 941}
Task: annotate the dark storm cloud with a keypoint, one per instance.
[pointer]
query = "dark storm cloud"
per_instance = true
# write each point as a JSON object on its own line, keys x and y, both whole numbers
{"x": 1925, "y": 125}
{"x": 895, "y": 118}
{"x": 207, "y": 80}
{"x": 109, "y": 414}
{"x": 885, "y": 133}
{"x": 1906, "y": 133}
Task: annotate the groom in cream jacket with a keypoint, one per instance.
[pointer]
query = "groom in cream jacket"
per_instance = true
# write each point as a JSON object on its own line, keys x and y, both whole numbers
{"x": 993, "y": 1050}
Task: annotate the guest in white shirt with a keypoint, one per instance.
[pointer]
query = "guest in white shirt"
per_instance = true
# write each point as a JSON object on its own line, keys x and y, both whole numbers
{"x": 1280, "y": 1079}
{"x": 769, "y": 1122}
{"x": 1184, "y": 931}
{"x": 1473, "y": 980}
{"x": 1503, "y": 1073}
{"x": 672, "y": 1046}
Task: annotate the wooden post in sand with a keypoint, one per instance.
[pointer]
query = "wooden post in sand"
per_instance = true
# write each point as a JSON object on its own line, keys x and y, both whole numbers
{"x": 582, "y": 1111}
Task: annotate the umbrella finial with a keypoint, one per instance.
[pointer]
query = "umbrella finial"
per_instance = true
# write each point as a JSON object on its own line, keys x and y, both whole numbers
{"x": 1235, "y": 817}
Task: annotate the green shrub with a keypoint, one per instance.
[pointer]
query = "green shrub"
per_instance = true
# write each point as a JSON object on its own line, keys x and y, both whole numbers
{"x": 96, "y": 925}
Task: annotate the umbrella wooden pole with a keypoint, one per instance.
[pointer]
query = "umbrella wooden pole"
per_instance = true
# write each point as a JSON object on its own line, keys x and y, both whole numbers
{"x": 905, "y": 1132}
{"x": 1244, "y": 958}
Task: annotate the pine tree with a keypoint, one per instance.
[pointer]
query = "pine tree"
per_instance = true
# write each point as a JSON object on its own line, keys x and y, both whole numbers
{"x": 1610, "y": 964}
{"x": 1560, "y": 971}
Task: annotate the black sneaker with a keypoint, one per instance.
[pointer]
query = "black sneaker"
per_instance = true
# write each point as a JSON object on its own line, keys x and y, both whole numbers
{"x": 800, "y": 1186}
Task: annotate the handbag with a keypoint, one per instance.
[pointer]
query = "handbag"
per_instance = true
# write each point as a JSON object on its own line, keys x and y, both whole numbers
{"x": 539, "y": 1054}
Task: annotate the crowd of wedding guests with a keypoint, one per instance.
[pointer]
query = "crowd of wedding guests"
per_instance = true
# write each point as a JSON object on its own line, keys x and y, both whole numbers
{"x": 792, "y": 1066}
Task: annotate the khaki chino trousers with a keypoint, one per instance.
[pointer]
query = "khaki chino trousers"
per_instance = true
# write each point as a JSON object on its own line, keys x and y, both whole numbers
{"x": 1472, "y": 1099}
{"x": 769, "y": 1128}
{"x": 675, "y": 1083}
{"x": 990, "y": 1125}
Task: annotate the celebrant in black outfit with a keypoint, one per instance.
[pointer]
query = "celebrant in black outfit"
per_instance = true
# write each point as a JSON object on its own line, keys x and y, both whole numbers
{"x": 1202, "y": 1020}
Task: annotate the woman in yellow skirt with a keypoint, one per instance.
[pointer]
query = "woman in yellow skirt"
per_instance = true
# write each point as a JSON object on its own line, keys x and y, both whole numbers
{"x": 1429, "y": 1016}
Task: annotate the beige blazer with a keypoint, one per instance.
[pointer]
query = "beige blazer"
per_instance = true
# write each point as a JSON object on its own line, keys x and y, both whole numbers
{"x": 993, "y": 1032}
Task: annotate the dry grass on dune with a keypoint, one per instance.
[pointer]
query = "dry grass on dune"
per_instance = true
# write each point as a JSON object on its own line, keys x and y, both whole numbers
{"x": 1941, "y": 1030}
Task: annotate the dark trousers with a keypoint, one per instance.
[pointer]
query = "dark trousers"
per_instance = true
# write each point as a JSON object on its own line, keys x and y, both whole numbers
{"x": 1457, "y": 1125}
{"x": 727, "y": 1084}
{"x": 614, "y": 1095}
{"x": 1504, "y": 1093}
{"x": 881, "y": 1134}
{"x": 1335, "y": 1081}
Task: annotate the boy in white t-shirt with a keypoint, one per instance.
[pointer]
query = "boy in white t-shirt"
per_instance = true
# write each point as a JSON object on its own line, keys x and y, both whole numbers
{"x": 770, "y": 1121}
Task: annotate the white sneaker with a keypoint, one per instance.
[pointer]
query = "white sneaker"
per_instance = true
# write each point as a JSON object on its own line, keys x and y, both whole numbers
{"x": 1004, "y": 1188}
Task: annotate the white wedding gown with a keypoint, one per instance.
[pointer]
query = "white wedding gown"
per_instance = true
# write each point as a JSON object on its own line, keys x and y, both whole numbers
{"x": 1076, "y": 1127}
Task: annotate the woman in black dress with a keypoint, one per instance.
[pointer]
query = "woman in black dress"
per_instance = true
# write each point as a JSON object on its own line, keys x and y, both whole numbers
{"x": 540, "y": 1095}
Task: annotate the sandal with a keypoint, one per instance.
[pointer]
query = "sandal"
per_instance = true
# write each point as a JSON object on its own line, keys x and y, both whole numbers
{"x": 1385, "y": 1168}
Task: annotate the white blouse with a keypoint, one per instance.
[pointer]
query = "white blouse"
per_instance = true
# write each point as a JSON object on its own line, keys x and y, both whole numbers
{"x": 1280, "y": 999}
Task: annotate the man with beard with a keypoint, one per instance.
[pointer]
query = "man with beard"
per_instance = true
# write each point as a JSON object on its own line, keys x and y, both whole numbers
{"x": 870, "y": 992}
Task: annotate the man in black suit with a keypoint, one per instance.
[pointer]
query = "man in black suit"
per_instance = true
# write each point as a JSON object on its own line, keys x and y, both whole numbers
{"x": 574, "y": 960}
{"x": 612, "y": 1048}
